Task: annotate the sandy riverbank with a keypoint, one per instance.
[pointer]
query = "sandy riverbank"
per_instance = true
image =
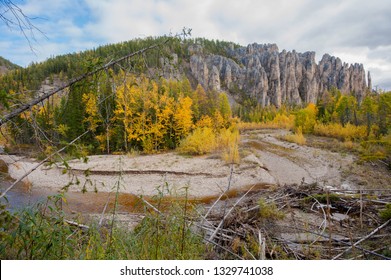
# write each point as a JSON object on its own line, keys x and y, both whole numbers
{"x": 265, "y": 159}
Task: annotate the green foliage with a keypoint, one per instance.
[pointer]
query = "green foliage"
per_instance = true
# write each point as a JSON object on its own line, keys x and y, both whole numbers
{"x": 8, "y": 64}
{"x": 43, "y": 232}
{"x": 385, "y": 214}
{"x": 376, "y": 149}
{"x": 306, "y": 119}
{"x": 4, "y": 99}
{"x": 323, "y": 197}
{"x": 269, "y": 211}
{"x": 346, "y": 109}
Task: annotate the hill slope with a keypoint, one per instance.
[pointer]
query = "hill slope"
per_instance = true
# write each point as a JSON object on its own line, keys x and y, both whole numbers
{"x": 259, "y": 72}
{"x": 6, "y": 65}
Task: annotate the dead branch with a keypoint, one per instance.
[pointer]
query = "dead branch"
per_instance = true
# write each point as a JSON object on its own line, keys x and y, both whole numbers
{"x": 45, "y": 96}
{"x": 81, "y": 226}
{"x": 226, "y": 215}
{"x": 222, "y": 194}
{"x": 363, "y": 239}
{"x": 42, "y": 162}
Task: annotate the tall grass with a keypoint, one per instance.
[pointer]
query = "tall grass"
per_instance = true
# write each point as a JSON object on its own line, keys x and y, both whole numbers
{"x": 43, "y": 232}
{"x": 297, "y": 137}
{"x": 348, "y": 132}
{"x": 280, "y": 121}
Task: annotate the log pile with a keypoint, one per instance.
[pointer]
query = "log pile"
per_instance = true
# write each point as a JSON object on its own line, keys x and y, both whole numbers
{"x": 300, "y": 222}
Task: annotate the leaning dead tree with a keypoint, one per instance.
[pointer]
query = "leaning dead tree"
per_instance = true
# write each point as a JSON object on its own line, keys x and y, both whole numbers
{"x": 73, "y": 81}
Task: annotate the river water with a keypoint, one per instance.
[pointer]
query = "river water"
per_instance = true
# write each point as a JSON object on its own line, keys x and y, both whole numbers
{"x": 19, "y": 196}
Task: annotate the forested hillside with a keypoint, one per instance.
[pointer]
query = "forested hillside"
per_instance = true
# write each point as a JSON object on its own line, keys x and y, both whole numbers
{"x": 153, "y": 101}
{"x": 164, "y": 102}
{"x": 6, "y": 66}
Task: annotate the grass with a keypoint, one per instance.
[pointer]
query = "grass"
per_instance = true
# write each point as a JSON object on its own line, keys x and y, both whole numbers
{"x": 385, "y": 214}
{"x": 43, "y": 232}
{"x": 280, "y": 121}
{"x": 297, "y": 138}
{"x": 348, "y": 132}
{"x": 269, "y": 211}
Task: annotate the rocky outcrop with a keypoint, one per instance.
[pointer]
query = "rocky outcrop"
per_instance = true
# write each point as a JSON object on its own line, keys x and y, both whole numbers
{"x": 264, "y": 74}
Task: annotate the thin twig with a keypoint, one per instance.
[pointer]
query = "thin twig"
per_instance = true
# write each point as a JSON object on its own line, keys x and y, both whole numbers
{"x": 222, "y": 194}
{"x": 104, "y": 209}
{"x": 150, "y": 205}
{"x": 72, "y": 223}
{"x": 226, "y": 215}
{"x": 42, "y": 162}
{"x": 74, "y": 81}
{"x": 363, "y": 239}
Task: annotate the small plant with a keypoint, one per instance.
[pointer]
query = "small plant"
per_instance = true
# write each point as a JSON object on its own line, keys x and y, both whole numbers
{"x": 385, "y": 214}
{"x": 269, "y": 211}
{"x": 322, "y": 198}
{"x": 228, "y": 143}
{"x": 297, "y": 137}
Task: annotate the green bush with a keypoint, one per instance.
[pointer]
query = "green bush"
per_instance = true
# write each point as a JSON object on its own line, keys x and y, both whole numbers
{"x": 385, "y": 214}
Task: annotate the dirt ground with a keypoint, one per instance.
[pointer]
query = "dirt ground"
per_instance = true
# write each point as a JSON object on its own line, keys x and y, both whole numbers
{"x": 264, "y": 159}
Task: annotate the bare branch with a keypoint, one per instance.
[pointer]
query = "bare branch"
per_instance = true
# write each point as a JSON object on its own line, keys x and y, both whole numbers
{"x": 363, "y": 239}
{"x": 42, "y": 162}
{"x": 15, "y": 19}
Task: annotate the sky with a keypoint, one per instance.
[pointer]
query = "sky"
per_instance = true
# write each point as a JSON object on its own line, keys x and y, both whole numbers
{"x": 354, "y": 30}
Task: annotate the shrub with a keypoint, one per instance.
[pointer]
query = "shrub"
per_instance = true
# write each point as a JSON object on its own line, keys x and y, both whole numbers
{"x": 306, "y": 118}
{"x": 348, "y": 132}
{"x": 279, "y": 121}
{"x": 297, "y": 137}
{"x": 385, "y": 214}
{"x": 228, "y": 142}
{"x": 269, "y": 211}
{"x": 201, "y": 141}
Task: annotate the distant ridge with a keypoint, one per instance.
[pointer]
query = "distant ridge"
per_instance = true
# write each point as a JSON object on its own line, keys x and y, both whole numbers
{"x": 257, "y": 72}
{"x": 6, "y": 65}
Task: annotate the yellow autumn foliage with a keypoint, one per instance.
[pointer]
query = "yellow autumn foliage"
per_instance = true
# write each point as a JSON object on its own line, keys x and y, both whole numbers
{"x": 348, "y": 132}
{"x": 201, "y": 141}
{"x": 296, "y": 137}
{"x": 205, "y": 140}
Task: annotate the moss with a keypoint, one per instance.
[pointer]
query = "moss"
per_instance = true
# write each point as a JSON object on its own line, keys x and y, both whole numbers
{"x": 269, "y": 211}
{"x": 385, "y": 214}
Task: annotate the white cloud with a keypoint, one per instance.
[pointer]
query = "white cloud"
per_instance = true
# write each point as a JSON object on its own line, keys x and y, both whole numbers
{"x": 357, "y": 31}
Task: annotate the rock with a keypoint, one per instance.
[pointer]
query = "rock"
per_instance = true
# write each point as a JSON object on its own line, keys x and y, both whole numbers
{"x": 264, "y": 74}
{"x": 339, "y": 217}
{"x": 369, "y": 81}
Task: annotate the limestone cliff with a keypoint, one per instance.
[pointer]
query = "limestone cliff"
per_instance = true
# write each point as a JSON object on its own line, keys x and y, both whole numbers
{"x": 269, "y": 76}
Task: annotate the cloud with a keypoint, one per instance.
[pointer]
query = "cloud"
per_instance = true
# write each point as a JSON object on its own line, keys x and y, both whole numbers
{"x": 354, "y": 30}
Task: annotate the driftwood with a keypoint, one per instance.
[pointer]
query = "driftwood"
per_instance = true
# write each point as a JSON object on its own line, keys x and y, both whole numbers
{"x": 328, "y": 234}
{"x": 81, "y": 226}
{"x": 363, "y": 239}
{"x": 226, "y": 215}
